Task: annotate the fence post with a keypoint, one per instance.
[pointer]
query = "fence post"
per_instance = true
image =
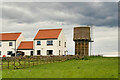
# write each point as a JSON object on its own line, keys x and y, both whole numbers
{"x": 24, "y": 62}
{"x": 33, "y": 61}
{"x": 2, "y": 65}
{"x": 14, "y": 62}
{"x": 29, "y": 59}
{"x": 47, "y": 60}
{"x": 37, "y": 60}
{"x": 8, "y": 63}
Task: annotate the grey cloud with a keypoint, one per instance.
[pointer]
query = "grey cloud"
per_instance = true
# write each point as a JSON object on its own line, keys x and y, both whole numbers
{"x": 16, "y": 15}
{"x": 100, "y": 14}
{"x": 96, "y": 13}
{"x": 30, "y": 17}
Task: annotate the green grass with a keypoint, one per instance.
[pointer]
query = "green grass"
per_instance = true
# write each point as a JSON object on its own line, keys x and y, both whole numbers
{"x": 96, "y": 67}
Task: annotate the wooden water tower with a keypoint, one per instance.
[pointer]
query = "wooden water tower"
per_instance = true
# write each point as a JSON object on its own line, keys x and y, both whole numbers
{"x": 82, "y": 39}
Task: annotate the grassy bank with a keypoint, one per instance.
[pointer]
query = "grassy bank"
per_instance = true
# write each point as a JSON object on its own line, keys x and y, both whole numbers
{"x": 95, "y": 67}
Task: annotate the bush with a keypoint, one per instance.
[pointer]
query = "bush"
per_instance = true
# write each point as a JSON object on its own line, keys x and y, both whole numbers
{"x": 86, "y": 58}
{"x": 78, "y": 57}
{"x": 27, "y": 56}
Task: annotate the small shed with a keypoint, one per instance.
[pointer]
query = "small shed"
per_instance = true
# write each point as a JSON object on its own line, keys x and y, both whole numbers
{"x": 26, "y": 47}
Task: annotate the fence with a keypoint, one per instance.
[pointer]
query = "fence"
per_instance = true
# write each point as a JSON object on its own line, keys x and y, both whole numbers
{"x": 25, "y": 62}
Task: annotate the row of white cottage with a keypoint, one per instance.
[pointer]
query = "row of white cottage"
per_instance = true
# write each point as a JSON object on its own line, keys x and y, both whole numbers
{"x": 46, "y": 42}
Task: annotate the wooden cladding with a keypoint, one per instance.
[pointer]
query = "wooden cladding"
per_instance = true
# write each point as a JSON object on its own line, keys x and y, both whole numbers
{"x": 82, "y": 39}
{"x": 81, "y": 33}
{"x": 81, "y": 48}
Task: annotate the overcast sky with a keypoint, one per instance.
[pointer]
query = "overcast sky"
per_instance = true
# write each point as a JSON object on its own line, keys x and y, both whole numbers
{"x": 30, "y": 17}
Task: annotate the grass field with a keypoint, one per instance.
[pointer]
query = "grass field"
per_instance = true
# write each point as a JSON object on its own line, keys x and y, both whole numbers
{"x": 96, "y": 67}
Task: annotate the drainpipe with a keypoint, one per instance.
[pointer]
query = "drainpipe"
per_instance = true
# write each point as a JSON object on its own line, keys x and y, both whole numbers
{"x": 33, "y": 47}
{"x": 15, "y": 48}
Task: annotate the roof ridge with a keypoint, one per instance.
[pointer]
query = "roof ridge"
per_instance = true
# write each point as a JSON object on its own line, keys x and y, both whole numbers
{"x": 51, "y": 29}
{"x": 12, "y": 33}
{"x": 26, "y": 41}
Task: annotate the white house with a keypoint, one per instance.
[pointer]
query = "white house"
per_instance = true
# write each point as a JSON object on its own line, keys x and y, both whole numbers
{"x": 50, "y": 42}
{"x": 9, "y": 43}
{"x": 26, "y": 47}
{"x": 46, "y": 42}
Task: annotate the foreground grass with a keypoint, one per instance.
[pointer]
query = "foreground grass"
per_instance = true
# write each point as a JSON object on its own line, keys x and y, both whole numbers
{"x": 96, "y": 67}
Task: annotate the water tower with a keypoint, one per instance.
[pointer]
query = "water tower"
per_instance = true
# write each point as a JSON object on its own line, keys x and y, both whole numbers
{"x": 82, "y": 38}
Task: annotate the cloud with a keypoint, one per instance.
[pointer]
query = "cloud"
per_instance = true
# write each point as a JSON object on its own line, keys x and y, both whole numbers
{"x": 99, "y": 14}
{"x": 30, "y": 17}
{"x": 105, "y": 39}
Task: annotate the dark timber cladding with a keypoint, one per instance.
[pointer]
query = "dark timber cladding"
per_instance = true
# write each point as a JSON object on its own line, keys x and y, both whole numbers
{"x": 82, "y": 39}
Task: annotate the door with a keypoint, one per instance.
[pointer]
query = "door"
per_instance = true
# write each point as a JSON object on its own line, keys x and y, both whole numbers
{"x": 38, "y": 52}
{"x": 49, "y": 52}
{"x": 31, "y": 53}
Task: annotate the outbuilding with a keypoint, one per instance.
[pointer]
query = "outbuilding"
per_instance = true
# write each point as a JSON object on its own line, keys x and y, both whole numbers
{"x": 26, "y": 47}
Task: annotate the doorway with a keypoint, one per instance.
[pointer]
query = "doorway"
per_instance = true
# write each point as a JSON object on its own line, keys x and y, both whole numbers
{"x": 49, "y": 52}
{"x": 31, "y": 53}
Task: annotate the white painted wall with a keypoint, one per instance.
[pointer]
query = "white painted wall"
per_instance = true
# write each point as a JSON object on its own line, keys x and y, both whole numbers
{"x": 5, "y": 46}
{"x": 55, "y": 47}
{"x": 62, "y": 39}
{"x": 18, "y": 41}
{"x": 43, "y": 47}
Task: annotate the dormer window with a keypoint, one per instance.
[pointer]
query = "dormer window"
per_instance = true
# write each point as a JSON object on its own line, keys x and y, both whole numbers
{"x": 50, "y": 42}
{"x": 38, "y": 42}
{"x": 10, "y": 43}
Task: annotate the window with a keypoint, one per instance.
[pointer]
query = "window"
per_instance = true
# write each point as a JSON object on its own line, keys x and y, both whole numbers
{"x": 38, "y": 52}
{"x": 59, "y": 43}
{"x": 59, "y": 52}
{"x": 38, "y": 42}
{"x": 49, "y": 52}
{"x": 9, "y": 52}
{"x": 0, "y": 52}
{"x": 65, "y": 44}
{"x": 50, "y": 42}
{"x": 0, "y": 44}
{"x": 10, "y": 44}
